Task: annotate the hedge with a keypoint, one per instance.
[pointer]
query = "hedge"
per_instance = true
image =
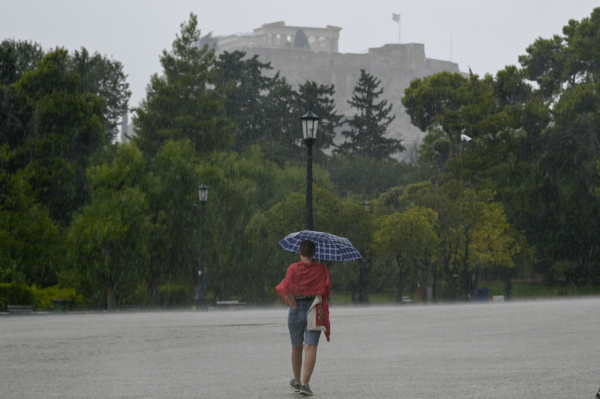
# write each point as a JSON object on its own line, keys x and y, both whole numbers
{"x": 39, "y": 298}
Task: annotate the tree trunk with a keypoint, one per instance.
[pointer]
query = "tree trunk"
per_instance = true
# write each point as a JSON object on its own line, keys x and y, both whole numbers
{"x": 424, "y": 278}
{"x": 401, "y": 280}
{"x": 450, "y": 291}
{"x": 111, "y": 302}
{"x": 152, "y": 288}
{"x": 508, "y": 286}
{"x": 467, "y": 274}
{"x": 451, "y": 272}
{"x": 476, "y": 282}
{"x": 362, "y": 291}
{"x": 451, "y": 280}
{"x": 262, "y": 293}
{"x": 434, "y": 286}
{"x": 222, "y": 291}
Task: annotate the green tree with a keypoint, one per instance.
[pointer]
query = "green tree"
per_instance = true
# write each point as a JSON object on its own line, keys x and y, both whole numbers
{"x": 365, "y": 176}
{"x": 108, "y": 241}
{"x": 66, "y": 128}
{"x": 8, "y": 66}
{"x": 281, "y": 136}
{"x": 241, "y": 188}
{"x": 559, "y": 208}
{"x": 173, "y": 178}
{"x": 281, "y": 132}
{"x": 105, "y": 78}
{"x": 181, "y": 104}
{"x": 434, "y": 102}
{"x": 30, "y": 243}
{"x": 267, "y": 109}
{"x": 246, "y": 99}
{"x": 494, "y": 243}
{"x": 473, "y": 231}
{"x": 331, "y": 214}
{"x": 16, "y": 117}
{"x": 410, "y": 239}
{"x": 99, "y": 75}
{"x": 23, "y": 56}
{"x": 369, "y": 127}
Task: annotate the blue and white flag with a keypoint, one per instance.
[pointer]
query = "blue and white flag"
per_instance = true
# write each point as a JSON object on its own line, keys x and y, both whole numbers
{"x": 396, "y": 17}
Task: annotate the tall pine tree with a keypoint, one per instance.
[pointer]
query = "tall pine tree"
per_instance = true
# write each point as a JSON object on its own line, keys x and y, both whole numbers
{"x": 246, "y": 96}
{"x": 182, "y": 104}
{"x": 368, "y": 127}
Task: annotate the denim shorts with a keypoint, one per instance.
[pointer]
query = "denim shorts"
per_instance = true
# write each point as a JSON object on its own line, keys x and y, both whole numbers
{"x": 297, "y": 325}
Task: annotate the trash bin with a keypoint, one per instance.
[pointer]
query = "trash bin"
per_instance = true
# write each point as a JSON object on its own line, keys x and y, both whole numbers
{"x": 481, "y": 295}
{"x": 61, "y": 305}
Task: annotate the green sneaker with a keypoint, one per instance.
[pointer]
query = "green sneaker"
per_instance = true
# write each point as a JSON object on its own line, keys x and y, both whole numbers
{"x": 305, "y": 390}
{"x": 294, "y": 386}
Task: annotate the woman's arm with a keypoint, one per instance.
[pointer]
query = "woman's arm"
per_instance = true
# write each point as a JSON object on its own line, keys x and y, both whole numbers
{"x": 292, "y": 300}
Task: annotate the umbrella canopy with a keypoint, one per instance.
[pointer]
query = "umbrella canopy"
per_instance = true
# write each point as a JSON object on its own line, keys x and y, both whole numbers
{"x": 328, "y": 246}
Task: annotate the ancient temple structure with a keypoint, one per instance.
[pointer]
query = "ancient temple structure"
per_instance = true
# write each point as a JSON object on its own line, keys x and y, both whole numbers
{"x": 278, "y": 35}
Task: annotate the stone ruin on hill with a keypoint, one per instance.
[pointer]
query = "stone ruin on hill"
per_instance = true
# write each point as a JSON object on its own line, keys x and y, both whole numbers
{"x": 394, "y": 64}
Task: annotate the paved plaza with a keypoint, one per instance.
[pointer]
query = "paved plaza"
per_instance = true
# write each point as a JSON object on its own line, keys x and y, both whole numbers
{"x": 533, "y": 349}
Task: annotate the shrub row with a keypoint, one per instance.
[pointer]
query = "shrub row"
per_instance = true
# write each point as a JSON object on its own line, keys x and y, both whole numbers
{"x": 39, "y": 298}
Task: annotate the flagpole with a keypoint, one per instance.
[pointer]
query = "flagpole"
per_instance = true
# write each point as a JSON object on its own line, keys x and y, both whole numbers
{"x": 450, "y": 45}
{"x": 396, "y": 18}
{"x": 399, "y": 28}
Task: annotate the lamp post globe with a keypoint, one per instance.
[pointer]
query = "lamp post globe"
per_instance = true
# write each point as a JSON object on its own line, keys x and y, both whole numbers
{"x": 203, "y": 193}
{"x": 200, "y": 297}
{"x": 310, "y": 124}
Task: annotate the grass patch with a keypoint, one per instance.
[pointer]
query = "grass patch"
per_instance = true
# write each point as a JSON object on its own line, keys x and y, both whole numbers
{"x": 379, "y": 297}
{"x": 383, "y": 297}
{"x": 344, "y": 298}
{"x": 521, "y": 289}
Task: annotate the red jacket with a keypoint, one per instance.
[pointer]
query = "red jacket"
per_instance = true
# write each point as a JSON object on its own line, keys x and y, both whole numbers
{"x": 307, "y": 279}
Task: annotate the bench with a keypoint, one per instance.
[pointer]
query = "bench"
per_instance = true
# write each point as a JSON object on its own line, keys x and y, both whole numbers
{"x": 229, "y": 303}
{"x": 19, "y": 309}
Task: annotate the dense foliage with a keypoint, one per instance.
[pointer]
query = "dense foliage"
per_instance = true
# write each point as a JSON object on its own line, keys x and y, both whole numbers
{"x": 117, "y": 222}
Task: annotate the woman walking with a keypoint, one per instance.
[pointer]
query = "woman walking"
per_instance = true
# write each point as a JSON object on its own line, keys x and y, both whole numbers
{"x": 305, "y": 280}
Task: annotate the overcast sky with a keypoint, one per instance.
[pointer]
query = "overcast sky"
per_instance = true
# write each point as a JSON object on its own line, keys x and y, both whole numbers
{"x": 486, "y": 34}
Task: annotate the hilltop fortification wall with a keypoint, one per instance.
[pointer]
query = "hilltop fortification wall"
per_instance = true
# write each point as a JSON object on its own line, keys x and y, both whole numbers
{"x": 396, "y": 65}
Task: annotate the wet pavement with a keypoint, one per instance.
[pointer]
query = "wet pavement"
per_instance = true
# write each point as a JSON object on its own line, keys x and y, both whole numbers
{"x": 534, "y": 349}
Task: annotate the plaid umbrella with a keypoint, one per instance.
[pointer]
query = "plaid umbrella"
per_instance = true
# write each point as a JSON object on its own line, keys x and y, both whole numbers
{"x": 329, "y": 247}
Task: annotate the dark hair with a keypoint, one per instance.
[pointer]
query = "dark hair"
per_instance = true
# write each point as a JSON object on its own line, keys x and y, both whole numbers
{"x": 307, "y": 248}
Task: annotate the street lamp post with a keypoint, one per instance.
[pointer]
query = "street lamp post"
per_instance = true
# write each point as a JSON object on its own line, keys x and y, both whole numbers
{"x": 464, "y": 141}
{"x": 200, "y": 298}
{"x": 310, "y": 123}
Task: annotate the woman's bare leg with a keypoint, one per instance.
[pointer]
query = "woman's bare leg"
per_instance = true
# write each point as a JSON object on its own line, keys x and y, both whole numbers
{"x": 310, "y": 358}
{"x": 297, "y": 362}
